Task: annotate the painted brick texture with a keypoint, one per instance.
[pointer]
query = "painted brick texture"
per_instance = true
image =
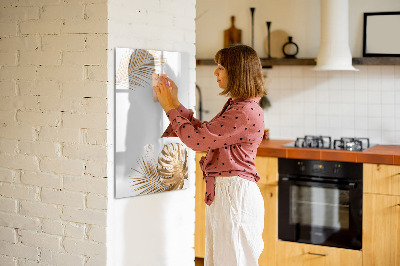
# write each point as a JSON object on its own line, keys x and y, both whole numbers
{"x": 53, "y": 111}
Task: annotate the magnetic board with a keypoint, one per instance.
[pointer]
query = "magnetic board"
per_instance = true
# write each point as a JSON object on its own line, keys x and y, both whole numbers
{"x": 145, "y": 163}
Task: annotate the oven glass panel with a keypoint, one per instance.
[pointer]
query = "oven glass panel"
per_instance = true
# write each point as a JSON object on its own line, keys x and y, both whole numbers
{"x": 323, "y": 211}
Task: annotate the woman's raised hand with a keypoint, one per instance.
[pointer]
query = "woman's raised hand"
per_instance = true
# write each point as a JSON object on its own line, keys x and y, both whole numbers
{"x": 173, "y": 88}
{"x": 164, "y": 94}
{"x": 174, "y": 92}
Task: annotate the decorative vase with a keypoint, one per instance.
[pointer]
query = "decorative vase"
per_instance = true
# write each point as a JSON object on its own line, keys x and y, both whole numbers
{"x": 290, "y": 49}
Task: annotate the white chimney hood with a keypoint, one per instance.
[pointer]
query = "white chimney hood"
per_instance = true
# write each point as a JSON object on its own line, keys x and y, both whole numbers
{"x": 334, "y": 51}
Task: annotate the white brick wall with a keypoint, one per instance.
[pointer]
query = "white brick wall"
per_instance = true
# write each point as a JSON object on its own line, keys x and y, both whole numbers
{"x": 54, "y": 193}
{"x": 53, "y": 154}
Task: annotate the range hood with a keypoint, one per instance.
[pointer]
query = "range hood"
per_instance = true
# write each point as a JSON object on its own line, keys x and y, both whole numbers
{"x": 334, "y": 51}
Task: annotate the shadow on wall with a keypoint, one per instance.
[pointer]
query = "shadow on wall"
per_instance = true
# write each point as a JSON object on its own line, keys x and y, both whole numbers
{"x": 144, "y": 123}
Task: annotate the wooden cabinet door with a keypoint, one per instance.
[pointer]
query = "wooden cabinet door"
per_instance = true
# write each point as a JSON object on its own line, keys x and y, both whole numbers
{"x": 267, "y": 168}
{"x": 298, "y": 254}
{"x": 200, "y": 207}
{"x": 270, "y": 233}
{"x": 381, "y": 230}
{"x": 381, "y": 179}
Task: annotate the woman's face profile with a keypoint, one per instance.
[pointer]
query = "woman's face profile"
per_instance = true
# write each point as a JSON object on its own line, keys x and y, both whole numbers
{"x": 222, "y": 76}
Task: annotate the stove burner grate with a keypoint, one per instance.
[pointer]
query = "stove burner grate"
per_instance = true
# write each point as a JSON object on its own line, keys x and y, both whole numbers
{"x": 324, "y": 142}
{"x": 351, "y": 144}
{"x": 321, "y": 142}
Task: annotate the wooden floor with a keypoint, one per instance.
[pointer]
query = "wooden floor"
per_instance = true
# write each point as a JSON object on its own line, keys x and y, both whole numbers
{"x": 199, "y": 262}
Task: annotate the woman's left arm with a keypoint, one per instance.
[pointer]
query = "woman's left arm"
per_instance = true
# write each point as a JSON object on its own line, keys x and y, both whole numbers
{"x": 226, "y": 130}
{"x": 188, "y": 114}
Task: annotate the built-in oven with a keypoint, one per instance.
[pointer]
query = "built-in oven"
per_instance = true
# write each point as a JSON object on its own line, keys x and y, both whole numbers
{"x": 320, "y": 202}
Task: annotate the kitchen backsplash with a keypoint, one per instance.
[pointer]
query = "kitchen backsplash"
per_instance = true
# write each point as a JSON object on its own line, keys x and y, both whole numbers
{"x": 337, "y": 104}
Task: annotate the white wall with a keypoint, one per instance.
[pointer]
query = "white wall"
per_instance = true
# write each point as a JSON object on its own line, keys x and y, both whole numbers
{"x": 338, "y": 104}
{"x": 299, "y": 18}
{"x": 53, "y": 106}
{"x": 153, "y": 229}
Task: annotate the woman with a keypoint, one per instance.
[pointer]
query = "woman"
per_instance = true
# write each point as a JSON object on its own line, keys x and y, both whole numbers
{"x": 235, "y": 207}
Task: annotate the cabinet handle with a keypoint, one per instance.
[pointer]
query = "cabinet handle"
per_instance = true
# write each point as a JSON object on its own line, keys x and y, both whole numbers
{"x": 318, "y": 254}
{"x": 398, "y": 204}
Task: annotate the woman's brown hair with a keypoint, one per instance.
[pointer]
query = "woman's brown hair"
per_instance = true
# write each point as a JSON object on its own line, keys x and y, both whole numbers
{"x": 245, "y": 78}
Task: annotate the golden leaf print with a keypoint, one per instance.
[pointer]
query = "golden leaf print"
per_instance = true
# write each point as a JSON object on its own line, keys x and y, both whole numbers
{"x": 149, "y": 181}
{"x": 170, "y": 174}
{"x": 137, "y": 67}
{"x": 174, "y": 168}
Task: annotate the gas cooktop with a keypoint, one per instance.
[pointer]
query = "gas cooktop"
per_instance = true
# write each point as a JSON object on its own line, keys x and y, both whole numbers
{"x": 325, "y": 142}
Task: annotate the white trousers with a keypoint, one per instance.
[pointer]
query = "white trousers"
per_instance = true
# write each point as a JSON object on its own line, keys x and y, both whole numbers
{"x": 234, "y": 223}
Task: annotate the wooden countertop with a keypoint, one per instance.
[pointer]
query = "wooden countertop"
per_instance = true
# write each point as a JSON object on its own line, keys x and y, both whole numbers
{"x": 379, "y": 154}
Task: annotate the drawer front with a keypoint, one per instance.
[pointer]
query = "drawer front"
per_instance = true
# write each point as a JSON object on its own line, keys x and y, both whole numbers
{"x": 381, "y": 179}
{"x": 293, "y": 254}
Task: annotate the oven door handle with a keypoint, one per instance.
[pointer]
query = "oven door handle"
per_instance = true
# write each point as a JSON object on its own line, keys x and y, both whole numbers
{"x": 329, "y": 184}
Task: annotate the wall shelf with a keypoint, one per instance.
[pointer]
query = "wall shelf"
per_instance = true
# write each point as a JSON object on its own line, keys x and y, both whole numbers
{"x": 376, "y": 61}
{"x": 312, "y": 61}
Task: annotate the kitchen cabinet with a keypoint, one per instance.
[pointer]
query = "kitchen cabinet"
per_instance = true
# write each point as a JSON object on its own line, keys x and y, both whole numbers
{"x": 200, "y": 207}
{"x": 381, "y": 179}
{"x": 381, "y": 215}
{"x": 298, "y": 254}
{"x": 270, "y": 233}
{"x": 381, "y": 230}
{"x": 267, "y": 167}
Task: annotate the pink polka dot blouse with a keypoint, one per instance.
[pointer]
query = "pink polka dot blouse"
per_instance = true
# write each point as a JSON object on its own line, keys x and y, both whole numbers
{"x": 231, "y": 139}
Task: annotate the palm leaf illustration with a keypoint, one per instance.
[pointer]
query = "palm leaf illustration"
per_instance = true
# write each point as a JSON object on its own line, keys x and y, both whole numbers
{"x": 168, "y": 175}
{"x": 149, "y": 181}
{"x": 174, "y": 168}
{"x": 137, "y": 66}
